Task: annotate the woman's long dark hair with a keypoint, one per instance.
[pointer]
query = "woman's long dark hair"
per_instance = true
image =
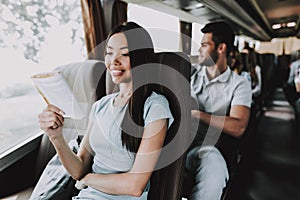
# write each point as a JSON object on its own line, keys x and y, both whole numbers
{"x": 251, "y": 67}
{"x": 141, "y": 52}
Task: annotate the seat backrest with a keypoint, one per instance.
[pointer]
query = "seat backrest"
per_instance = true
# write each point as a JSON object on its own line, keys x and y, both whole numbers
{"x": 166, "y": 182}
{"x": 83, "y": 78}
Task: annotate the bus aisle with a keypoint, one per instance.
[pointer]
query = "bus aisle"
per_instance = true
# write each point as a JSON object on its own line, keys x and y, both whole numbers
{"x": 270, "y": 168}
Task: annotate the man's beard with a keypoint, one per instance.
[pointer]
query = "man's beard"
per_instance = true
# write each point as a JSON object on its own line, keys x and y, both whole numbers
{"x": 211, "y": 59}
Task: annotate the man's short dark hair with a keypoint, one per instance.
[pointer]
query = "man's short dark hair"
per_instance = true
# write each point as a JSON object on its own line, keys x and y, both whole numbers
{"x": 221, "y": 32}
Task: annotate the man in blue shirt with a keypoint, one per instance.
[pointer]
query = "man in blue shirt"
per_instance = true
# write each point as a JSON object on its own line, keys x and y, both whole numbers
{"x": 224, "y": 100}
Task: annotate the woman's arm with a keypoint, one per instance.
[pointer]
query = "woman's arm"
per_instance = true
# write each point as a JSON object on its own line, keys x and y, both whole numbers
{"x": 133, "y": 182}
{"x": 51, "y": 121}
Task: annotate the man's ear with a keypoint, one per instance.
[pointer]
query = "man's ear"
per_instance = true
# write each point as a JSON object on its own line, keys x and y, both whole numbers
{"x": 222, "y": 48}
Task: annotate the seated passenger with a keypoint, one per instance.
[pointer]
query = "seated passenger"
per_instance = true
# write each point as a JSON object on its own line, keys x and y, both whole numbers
{"x": 250, "y": 70}
{"x": 224, "y": 100}
{"x": 255, "y": 73}
{"x": 290, "y": 89}
{"x": 235, "y": 60}
{"x": 236, "y": 63}
{"x": 291, "y": 94}
{"x": 126, "y": 129}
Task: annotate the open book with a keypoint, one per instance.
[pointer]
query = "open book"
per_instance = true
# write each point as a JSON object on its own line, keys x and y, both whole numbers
{"x": 55, "y": 90}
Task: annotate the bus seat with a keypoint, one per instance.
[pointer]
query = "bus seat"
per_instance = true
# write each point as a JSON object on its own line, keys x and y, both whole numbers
{"x": 244, "y": 151}
{"x": 23, "y": 195}
{"x": 83, "y": 78}
{"x": 166, "y": 183}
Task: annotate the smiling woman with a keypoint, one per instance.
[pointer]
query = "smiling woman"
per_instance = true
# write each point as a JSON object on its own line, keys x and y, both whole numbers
{"x": 126, "y": 130}
{"x": 117, "y": 58}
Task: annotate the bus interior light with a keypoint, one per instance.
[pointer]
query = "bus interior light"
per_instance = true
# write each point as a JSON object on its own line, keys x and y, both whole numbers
{"x": 276, "y": 26}
{"x": 291, "y": 24}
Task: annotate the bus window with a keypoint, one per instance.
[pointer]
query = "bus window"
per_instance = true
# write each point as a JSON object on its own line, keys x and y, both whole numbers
{"x": 163, "y": 25}
{"x": 196, "y": 37}
{"x": 34, "y": 37}
{"x": 160, "y": 26}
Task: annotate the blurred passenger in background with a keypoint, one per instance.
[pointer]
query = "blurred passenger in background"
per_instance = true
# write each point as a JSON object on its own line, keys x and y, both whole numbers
{"x": 291, "y": 93}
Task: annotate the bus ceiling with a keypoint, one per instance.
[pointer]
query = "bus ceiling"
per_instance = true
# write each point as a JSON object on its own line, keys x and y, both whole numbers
{"x": 261, "y": 20}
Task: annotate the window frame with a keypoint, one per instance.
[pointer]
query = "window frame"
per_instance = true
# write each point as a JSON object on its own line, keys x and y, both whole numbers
{"x": 17, "y": 152}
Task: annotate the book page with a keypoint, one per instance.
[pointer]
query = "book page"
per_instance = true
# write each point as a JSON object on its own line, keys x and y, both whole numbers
{"x": 55, "y": 90}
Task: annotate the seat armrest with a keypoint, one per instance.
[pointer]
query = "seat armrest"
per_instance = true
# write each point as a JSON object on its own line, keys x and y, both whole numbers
{"x": 22, "y": 195}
